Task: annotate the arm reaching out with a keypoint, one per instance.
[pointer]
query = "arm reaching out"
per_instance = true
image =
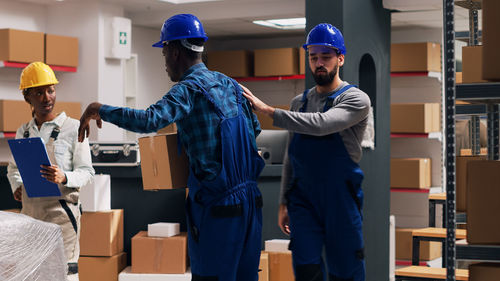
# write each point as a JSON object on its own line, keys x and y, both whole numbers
{"x": 257, "y": 104}
{"x": 91, "y": 112}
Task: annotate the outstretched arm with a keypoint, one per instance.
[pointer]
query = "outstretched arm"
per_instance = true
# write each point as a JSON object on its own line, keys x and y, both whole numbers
{"x": 91, "y": 112}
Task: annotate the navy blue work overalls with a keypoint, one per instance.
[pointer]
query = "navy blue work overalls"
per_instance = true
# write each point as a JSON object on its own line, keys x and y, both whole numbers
{"x": 324, "y": 206}
{"x": 225, "y": 214}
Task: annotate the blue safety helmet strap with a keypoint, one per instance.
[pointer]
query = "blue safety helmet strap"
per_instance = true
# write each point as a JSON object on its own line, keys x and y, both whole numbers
{"x": 325, "y": 34}
{"x": 181, "y": 27}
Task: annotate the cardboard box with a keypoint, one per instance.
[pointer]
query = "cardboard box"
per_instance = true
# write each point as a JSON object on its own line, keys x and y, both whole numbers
{"x": 483, "y": 178}
{"x": 484, "y": 271}
{"x": 415, "y": 117}
{"x": 280, "y": 266}
{"x": 159, "y": 254}
{"x": 237, "y": 63}
{"x": 161, "y": 165}
{"x": 163, "y": 229}
{"x": 276, "y": 62}
{"x": 277, "y": 245}
{"x": 264, "y": 267}
{"x": 61, "y": 50}
{"x": 21, "y": 46}
{"x": 415, "y": 57}
{"x": 458, "y": 77}
{"x": 302, "y": 61}
{"x": 429, "y": 250}
{"x": 491, "y": 40}
{"x": 96, "y": 196}
{"x": 14, "y": 113}
{"x": 170, "y": 129}
{"x": 472, "y": 68}
{"x": 101, "y": 268}
{"x": 461, "y": 179}
{"x": 411, "y": 173}
{"x": 266, "y": 123}
{"x": 17, "y": 211}
{"x": 102, "y": 233}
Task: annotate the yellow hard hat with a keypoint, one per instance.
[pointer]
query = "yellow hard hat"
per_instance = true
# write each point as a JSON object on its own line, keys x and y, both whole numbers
{"x": 37, "y": 74}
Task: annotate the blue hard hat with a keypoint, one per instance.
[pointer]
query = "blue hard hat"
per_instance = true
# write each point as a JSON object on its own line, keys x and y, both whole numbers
{"x": 325, "y": 34}
{"x": 181, "y": 26}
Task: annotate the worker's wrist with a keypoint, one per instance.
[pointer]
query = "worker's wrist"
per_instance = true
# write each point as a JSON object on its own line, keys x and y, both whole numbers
{"x": 270, "y": 111}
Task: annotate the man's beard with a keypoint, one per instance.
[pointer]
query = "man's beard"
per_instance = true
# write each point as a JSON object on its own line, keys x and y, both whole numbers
{"x": 327, "y": 79}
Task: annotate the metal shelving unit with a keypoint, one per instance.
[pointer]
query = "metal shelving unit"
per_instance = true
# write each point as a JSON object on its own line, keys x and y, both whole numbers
{"x": 486, "y": 97}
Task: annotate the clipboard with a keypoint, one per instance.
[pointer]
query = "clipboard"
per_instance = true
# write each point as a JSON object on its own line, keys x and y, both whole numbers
{"x": 29, "y": 154}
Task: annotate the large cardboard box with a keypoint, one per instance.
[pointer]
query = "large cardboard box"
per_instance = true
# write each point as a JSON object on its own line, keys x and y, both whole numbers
{"x": 21, "y": 46}
{"x": 266, "y": 122}
{"x": 161, "y": 165}
{"x": 96, "y": 196}
{"x": 411, "y": 173}
{"x": 264, "y": 267}
{"x": 429, "y": 250}
{"x": 461, "y": 179}
{"x": 491, "y": 40}
{"x": 170, "y": 129}
{"x": 472, "y": 68}
{"x": 14, "y": 113}
{"x": 61, "y": 50}
{"x": 159, "y": 254}
{"x": 237, "y": 63}
{"x": 101, "y": 268}
{"x": 280, "y": 266}
{"x": 276, "y": 62}
{"x": 102, "y": 233}
{"x": 302, "y": 61}
{"x": 483, "y": 178}
{"x": 484, "y": 271}
{"x": 415, "y": 57}
{"x": 415, "y": 117}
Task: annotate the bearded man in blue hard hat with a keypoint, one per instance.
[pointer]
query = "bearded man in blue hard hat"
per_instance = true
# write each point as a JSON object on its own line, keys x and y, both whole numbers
{"x": 321, "y": 196}
{"x": 217, "y": 128}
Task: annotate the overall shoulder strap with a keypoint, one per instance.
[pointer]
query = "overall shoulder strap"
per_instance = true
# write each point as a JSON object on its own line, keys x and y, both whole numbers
{"x": 332, "y": 97}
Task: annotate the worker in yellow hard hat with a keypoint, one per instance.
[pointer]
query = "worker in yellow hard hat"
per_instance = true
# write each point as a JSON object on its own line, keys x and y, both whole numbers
{"x": 71, "y": 166}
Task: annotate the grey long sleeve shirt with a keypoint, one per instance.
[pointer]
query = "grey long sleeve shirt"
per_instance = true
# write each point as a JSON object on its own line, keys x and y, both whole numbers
{"x": 347, "y": 116}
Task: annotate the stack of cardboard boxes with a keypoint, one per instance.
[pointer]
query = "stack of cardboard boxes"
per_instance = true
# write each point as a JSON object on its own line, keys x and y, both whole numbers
{"x": 411, "y": 178}
{"x": 279, "y": 258}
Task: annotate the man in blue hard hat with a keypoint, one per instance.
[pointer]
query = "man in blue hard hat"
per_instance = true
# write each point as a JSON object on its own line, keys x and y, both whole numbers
{"x": 321, "y": 196}
{"x": 217, "y": 128}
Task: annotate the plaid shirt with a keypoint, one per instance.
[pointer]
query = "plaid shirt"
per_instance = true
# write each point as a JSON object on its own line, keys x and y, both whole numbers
{"x": 197, "y": 122}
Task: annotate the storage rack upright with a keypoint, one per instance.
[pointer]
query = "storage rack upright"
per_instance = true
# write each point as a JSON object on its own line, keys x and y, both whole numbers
{"x": 487, "y": 94}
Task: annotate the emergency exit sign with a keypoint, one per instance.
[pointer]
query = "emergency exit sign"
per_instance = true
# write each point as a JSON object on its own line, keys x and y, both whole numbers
{"x": 118, "y": 34}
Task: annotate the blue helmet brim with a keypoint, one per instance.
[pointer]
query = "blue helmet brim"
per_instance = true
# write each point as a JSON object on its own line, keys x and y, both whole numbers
{"x": 158, "y": 44}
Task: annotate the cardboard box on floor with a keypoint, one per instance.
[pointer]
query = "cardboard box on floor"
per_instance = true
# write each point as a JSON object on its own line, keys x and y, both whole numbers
{"x": 415, "y": 117}
{"x": 159, "y": 254}
{"x": 61, "y": 50}
{"x": 484, "y": 271}
{"x": 472, "y": 68}
{"x": 491, "y": 40}
{"x": 276, "y": 62}
{"x": 483, "y": 178}
{"x": 461, "y": 180}
{"x": 21, "y": 46}
{"x": 101, "y": 268}
{"x": 280, "y": 266}
{"x": 404, "y": 240}
{"x": 102, "y": 233}
{"x": 264, "y": 267}
{"x": 411, "y": 173}
{"x": 161, "y": 165}
{"x": 15, "y": 113}
{"x": 266, "y": 123}
{"x": 415, "y": 57}
{"x": 237, "y": 63}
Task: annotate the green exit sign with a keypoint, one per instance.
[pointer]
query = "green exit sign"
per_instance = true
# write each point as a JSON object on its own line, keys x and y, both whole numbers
{"x": 123, "y": 38}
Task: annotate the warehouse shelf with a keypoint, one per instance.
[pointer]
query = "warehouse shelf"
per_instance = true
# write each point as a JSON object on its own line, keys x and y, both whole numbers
{"x": 479, "y": 92}
{"x": 471, "y": 109}
{"x": 431, "y": 74}
{"x": 270, "y": 78}
{"x": 477, "y": 252}
{"x": 10, "y": 64}
{"x": 470, "y": 5}
{"x": 431, "y": 135}
{"x": 431, "y": 190}
{"x": 7, "y": 135}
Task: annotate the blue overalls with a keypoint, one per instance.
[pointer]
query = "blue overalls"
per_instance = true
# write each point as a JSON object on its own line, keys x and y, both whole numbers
{"x": 225, "y": 214}
{"x": 324, "y": 206}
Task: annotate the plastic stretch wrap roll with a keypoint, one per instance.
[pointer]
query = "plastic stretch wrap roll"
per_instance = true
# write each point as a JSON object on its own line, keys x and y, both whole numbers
{"x": 30, "y": 249}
